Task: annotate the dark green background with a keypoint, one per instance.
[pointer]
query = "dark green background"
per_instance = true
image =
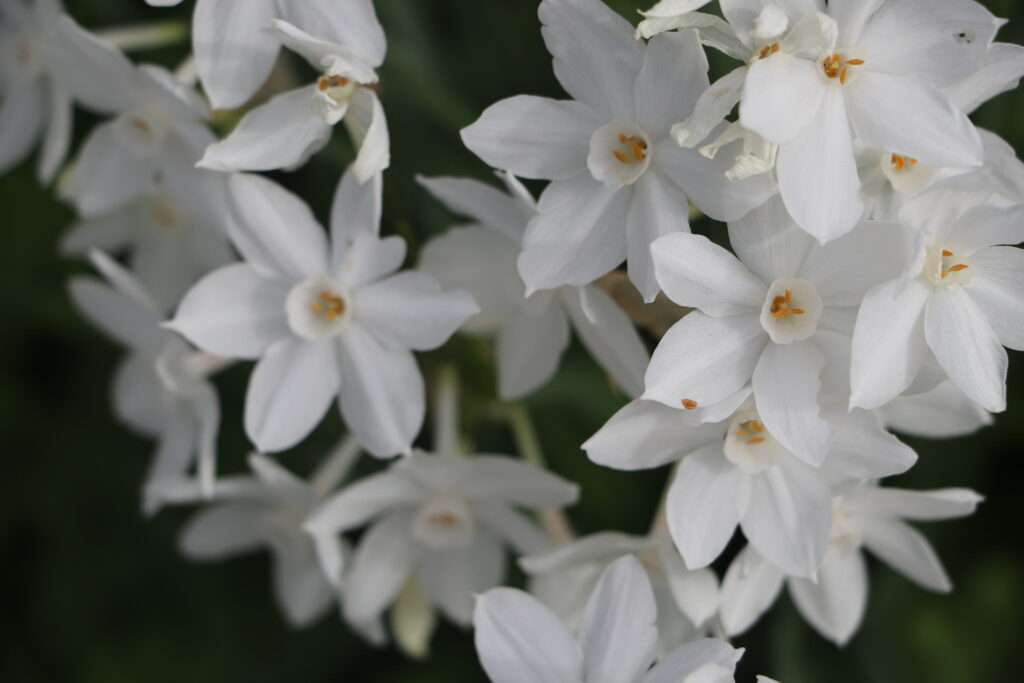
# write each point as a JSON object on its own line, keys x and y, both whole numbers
{"x": 94, "y": 593}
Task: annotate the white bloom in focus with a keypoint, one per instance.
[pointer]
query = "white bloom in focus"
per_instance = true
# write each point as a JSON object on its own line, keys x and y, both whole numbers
{"x": 440, "y": 526}
{"x": 156, "y": 118}
{"x": 532, "y": 332}
{"x": 162, "y": 388}
{"x": 563, "y": 578}
{"x": 734, "y": 472}
{"x": 267, "y": 510}
{"x": 519, "y": 640}
{"x": 174, "y": 233}
{"x": 779, "y": 318}
{"x": 862, "y": 83}
{"x": 867, "y": 517}
{"x": 961, "y": 299}
{"x": 325, "y": 319}
{"x": 344, "y": 42}
{"x": 619, "y": 181}
{"x": 33, "y": 103}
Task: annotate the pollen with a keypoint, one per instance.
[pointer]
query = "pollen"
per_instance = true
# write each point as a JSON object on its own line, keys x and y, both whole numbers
{"x": 690, "y": 404}
{"x": 838, "y": 67}
{"x": 769, "y": 50}
{"x": 955, "y": 268}
{"x": 327, "y": 82}
{"x": 752, "y": 432}
{"x": 446, "y": 520}
{"x": 782, "y": 306}
{"x": 632, "y": 150}
{"x": 902, "y": 163}
{"x": 329, "y": 306}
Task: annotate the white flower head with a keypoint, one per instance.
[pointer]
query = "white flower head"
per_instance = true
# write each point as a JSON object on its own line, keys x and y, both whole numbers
{"x": 531, "y": 333}
{"x": 618, "y": 180}
{"x": 518, "y": 639}
{"x": 324, "y": 319}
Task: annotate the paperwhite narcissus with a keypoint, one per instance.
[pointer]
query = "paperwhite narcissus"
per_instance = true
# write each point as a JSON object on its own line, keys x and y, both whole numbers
{"x": 734, "y": 472}
{"x": 859, "y": 84}
{"x": 439, "y": 526}
{"x": 532, "y": 332}
{"x": 344, "y": 42}
{"x": 564, "y": 577}
{"x": 267, "y": 509}
{"x": 34, "y": 103}
{"x": 945, "y": 412}
{"x": 960, "y": 299}
{"x": 325, "y": 319}
{"x": 618, "y": 180}
{"x": 162, "y": 388}
{"x": 774, "y": 317}
{"x": 866, "y": 518}
{"x": 519, "y": 640}
{"x": 174, "y": 233}
{"x": 156, "y": 118}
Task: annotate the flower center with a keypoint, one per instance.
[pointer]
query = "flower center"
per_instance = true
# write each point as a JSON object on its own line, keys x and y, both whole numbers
{"x": 748, "y": 443}
{"x": 619, "y": 154}
{"x": 752, "y": 432}
{"x": 328, "y": 306}
{"x": 901, "y": 163}
{"x": 791, "y": 311}
{"x": 837, "y": 66}
{"x": 445, "y": 522}
{"x": 631, "y": 150}
{"x": 769, "y": 50}
{"x": 317, "y": 308}
{"x": 944, "y": 268}
{"x": 165, "y": 214}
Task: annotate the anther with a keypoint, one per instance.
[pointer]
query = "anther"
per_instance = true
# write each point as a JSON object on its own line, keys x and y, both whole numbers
{"x": 329, "y": 306}
{"x": 838, "y": 67}
{"x": 690, "y": 404}
{"x": 769, "y": 50}
{"x": 634, "y": 152}
{"x": 782, "y": 306}
{"x": 901, "y": 163}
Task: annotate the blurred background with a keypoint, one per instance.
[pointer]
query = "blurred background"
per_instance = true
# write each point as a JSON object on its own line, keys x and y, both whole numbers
{"x": 97, "y": 593}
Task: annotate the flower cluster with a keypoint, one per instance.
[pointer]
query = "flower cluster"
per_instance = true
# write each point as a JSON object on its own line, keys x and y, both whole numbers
{"x": 867, "y": 283}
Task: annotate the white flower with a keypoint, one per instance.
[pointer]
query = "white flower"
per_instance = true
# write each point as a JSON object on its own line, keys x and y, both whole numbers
{"x": 564, "y": 577}
{"x": 174, "y": 233}
{"x": 532, "y": 333}
{"x": 961, "y": 299}
{"x": 33, "y": 103}
{"x": 945, "y": 412}
{"x": 861, "y": 82}
{"x": 156, "y": 118}
{"x": 267, "y": 510}
{"x": 519, "y": 641}
{"x": 439, "y": 527}
{"x": 324, "y": 319}
{"x": 735, "y": 472}
{"x": 344, "y": 42}
{"x": 778, "y": 318}
{"x": 161, "y": 389}
{"x": 866, "y": 517}
{"x": 619, "y": 182}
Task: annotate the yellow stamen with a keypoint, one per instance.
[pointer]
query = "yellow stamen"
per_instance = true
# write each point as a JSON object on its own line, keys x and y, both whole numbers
{"x": 782, "y": 307}
{"x": 445, "y": 519}
{"x": 956, "y": 268}
{"x": 690, "y": 404}
{"x": 769, "y": 50}
{"x": 752, "y": 432}
{"x": 327, "y": 82}
{"x": 633, "y": 151}
{"x": 838, "y": 67}
{"x": 329, "y": 306}
{"x": 901, "y": 163}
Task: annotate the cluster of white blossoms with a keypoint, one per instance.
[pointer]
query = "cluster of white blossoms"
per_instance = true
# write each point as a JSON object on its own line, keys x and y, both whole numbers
{"x": 868, "y": 283}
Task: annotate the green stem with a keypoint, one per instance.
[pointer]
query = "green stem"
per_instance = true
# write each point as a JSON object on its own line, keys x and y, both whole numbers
{"x": 146, "y": 36}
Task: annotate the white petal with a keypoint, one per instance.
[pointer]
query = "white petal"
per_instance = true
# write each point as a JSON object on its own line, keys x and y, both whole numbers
{"x": 939, "y": 133}
{"x": 701, "y": 660}
{"x": 596, "y": 58}
{"x": 673, "y": 77}
{"x": 282, "y": 133}
{"x": 116, "y": 314}
{"x": 888, "y": 342}
{"x": 21, "y": 120}
{"x": 943, "y": 413}
{"x": 411, "y": 310}
{"x": 367, "y": 259}
{"x": 223, "y": 530}
{"x": 519, "y": 531}
{"x": 453, "y": 578}
{"x": 818, "y": 174}
{"x": 997, "y": 287}
{"x": 982, "y": 226}
{"x": 356, "y": 209}
{"x": 275, "y": 230}
{"x": 519, "y": 641}
{"x": 786, "y": 385}
{"x": 1001, "y": 72}
{"x": 234, "y": 312}
{"x": 534, "y": 137}
{"x": 714, "y": 105}
{"x": 382, "y": 394}
{"x": 529, "y": 349}
{"x": 862, "y": 449}
{"x": 600, "y": 548}
{"x": 609, "y": 335}
{"x": 369, "y": 130}
{"x": 94, "y": 72}
{"x": 703, "y": 505}
{"x": 904, "y": 549}
{"x": 921, "y": 506}
{"x": 140, "y": 400}
{"x": 695, "y": 593}
{"x": 578, "y": 236}
{"x": 967, "y": 348}
{"x": 322, "y": 54}
{"x": 835, "y": 605}
{"x": 789, "y": 518}
{"x": 485, "y": 204}
{"x": 106, "y": 175}
{"x": 770, "y": 243}
{"x": 852, "y": 16}
{"x": 646, "y": 434}
{"x": 234, "y": 48}
{"x": 289, "y": 393}
{"x": 695, "y": 272}
{"x": 516, "y": 482}
{"x": 783, "y": 95}
{"x": 657, "y": 208}
{"x": 751, "y": 586}
{"x": 364, "y": 500}
{"x": 704, "y": 359}
{"x": 57, "y": 138}
{"x": 383, "y": 562}
{"x": 301, "y": 589}
{"x": 355, "y": 25}
{"x": 618, "y": 632}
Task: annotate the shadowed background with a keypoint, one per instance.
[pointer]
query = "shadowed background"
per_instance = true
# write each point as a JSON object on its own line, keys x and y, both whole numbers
{"x": 93, "y": 592}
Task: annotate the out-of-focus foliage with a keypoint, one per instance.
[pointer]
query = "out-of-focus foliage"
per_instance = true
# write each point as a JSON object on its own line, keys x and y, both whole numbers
{"x": 94, "y": 593}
